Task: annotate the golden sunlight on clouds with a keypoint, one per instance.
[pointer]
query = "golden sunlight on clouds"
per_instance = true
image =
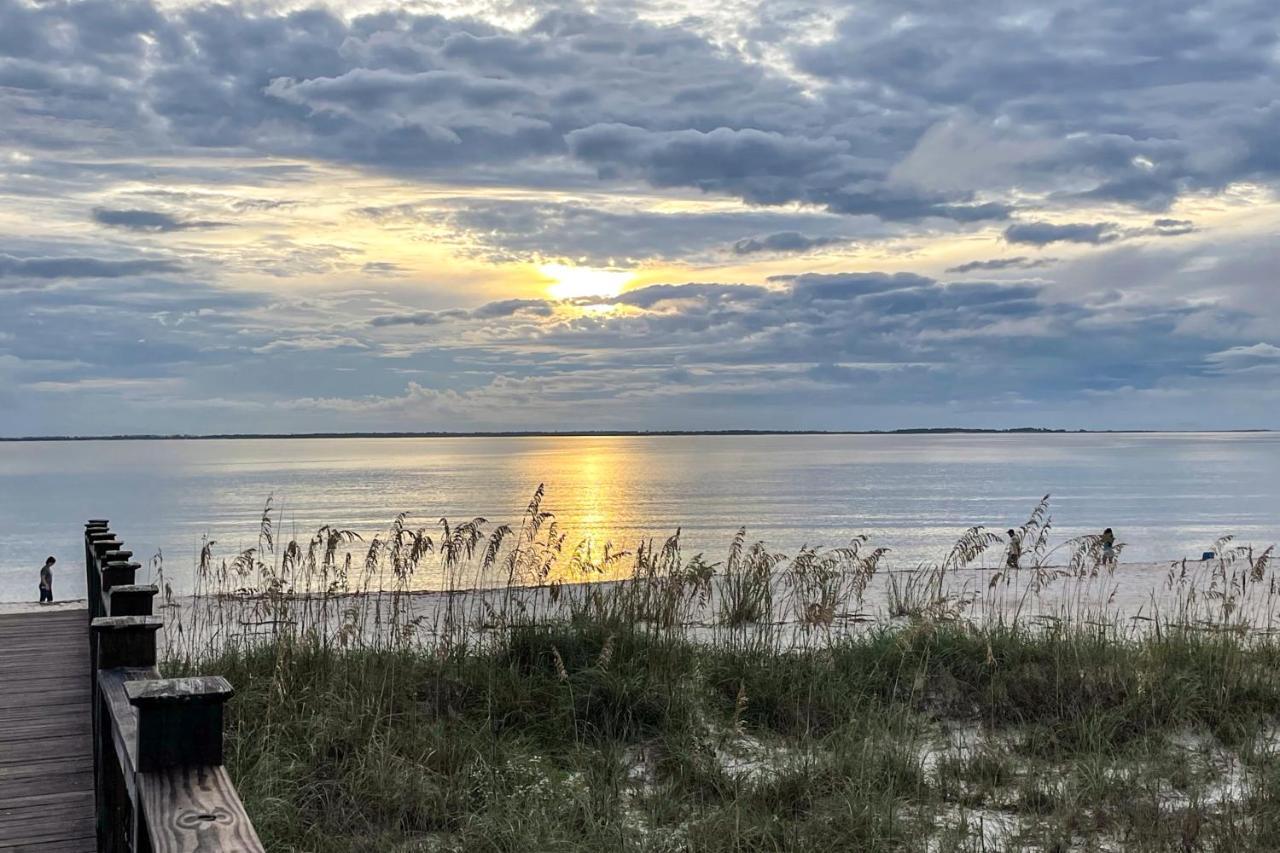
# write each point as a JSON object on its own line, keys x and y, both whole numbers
{"x": 569, "y": 282}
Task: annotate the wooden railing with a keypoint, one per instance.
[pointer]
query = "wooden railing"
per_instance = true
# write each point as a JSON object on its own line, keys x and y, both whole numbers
{"x": 157, "y": 742}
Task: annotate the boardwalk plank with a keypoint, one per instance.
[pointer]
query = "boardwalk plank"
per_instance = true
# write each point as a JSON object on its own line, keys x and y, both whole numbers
{"x": 46, "y": 761}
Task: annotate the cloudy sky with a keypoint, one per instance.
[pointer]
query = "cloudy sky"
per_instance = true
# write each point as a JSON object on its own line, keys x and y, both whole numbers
{"x": 638, "y": 214}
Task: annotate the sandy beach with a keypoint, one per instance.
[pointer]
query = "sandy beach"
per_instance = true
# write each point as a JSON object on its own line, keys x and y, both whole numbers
{"x": 1131, "y": 598}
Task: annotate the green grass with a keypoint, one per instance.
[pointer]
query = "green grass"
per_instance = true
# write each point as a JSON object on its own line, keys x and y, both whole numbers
{"x": 541, "y": 740}
{"x": 707, "y": 708}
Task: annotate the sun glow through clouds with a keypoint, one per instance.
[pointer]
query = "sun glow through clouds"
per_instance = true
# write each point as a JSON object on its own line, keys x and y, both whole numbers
{"x": 579, "y": 282}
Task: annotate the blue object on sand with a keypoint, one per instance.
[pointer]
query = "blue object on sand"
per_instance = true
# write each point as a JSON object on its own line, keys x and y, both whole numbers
{"x": 1207, "y": 555}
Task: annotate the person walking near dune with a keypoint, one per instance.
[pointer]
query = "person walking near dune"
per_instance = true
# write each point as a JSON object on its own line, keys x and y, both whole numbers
{"x": 1015, "y": 550}
{"x": 46, "y": 581}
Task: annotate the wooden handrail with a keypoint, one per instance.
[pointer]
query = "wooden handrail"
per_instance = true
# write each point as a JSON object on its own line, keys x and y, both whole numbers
{"x": 157, "y": 743}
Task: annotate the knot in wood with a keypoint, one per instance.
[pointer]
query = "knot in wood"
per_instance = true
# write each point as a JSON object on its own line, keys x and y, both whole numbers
{"x": 195, "y": 819}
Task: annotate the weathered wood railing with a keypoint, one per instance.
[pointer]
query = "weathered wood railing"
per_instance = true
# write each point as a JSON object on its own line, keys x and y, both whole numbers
{"x": 157, "y": 742}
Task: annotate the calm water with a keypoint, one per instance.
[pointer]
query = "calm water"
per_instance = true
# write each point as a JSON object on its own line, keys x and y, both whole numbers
{"x": 1166, "y": 495}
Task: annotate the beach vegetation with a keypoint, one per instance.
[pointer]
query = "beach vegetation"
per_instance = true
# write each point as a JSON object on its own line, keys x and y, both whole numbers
{"x": 468, "y": 687}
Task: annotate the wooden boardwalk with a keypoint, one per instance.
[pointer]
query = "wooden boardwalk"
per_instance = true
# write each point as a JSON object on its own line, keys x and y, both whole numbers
{"x": 46, "y": 746}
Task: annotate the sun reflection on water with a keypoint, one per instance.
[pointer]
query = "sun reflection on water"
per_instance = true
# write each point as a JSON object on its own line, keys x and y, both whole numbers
{"x": 587, "y": 491}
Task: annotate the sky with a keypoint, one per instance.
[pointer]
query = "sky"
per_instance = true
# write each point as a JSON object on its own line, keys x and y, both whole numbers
{"x": 643, "y": 214}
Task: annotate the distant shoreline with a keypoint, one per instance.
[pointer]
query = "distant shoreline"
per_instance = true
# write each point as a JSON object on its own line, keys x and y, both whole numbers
{"x": 617, "y": 434}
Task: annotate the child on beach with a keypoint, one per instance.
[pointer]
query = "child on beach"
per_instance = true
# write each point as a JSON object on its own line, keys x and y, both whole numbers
{"x": 46, "y": 581}
{"x": 1108, "y": 541}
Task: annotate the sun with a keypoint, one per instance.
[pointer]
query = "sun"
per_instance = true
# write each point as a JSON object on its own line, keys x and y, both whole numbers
{"x": 582, "y": 282}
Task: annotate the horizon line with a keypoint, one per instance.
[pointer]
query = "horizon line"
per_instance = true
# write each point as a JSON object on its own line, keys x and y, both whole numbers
{"x": 606, "y": 433}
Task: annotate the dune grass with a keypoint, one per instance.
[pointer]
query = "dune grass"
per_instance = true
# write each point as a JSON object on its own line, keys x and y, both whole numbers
{"x": 695, "y": 707}
{"x": 591, "y": 737}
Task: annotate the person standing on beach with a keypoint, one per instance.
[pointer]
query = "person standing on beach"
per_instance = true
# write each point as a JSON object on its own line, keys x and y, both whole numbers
{"x": 46, "y": 581}
{"x": 1108, "y": 542}
{"x": 1015, "y": 550}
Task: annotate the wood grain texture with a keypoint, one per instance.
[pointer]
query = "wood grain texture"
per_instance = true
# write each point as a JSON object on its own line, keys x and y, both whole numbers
{"x": 46, "y": 751}
{"x": 195, "y": 810}
{"x": 123, "y": 719}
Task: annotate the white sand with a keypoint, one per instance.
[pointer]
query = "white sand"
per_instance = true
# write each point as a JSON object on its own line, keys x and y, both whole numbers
{"x": 7, "y": 608}
{"x": 1133, "y": 597}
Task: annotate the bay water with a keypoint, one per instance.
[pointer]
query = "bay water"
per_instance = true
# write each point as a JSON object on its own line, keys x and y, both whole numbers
{"x": 1167, "y": 495}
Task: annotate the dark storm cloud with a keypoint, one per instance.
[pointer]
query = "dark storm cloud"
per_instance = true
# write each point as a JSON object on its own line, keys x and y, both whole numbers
{"x": 1165, "y": 103}
{"x": 783, "y": 241}
{"x": 841, "y": 287}
{"x": 574, "y": 231}
{"x": 1092, "y": 233}
{"x": 870, "y": 337}
{"x": 655, "y": 294}
{"x": 763, "y": 164}
{"x": 813, "y": 317}
{"x": 1044, "y": 233}
{"x": 969, "y": 337}
{"x": 1173, "y": 227}
{"x": 857, "y": 331}
{"x": 425, "y": 94}
{"x": 371, "y": 89}
{"x": 148, "y": 221}
{"x": 995, "y": 264}
{"x": 421, "y": 318}
{"x": 74, "y": 267}
{"x": 766, "y": 167}
{"x": 510, "y": 307}
{"x": 493, "y": 310}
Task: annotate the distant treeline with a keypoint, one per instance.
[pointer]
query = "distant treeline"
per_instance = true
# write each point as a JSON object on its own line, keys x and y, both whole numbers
{"x": 597, "y": 433}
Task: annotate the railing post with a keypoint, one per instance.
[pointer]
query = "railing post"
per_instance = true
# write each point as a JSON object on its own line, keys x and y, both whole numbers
{"x": 102, "y": 540}
{"x": 179, "y": 721}
{"x": 126, "y": 641}
{"x": 117, "y": 556}
{"x": 132, "y": 599}
{"x": 92, "y": 588}
{"x": 104, "y": 543}
{"x": 93, "y": 592}
{"x": 93, "y": 530}
{"x": 98, "y": 541}
{"x": 117, "y": 573}
{"x": 122, "y": 641}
